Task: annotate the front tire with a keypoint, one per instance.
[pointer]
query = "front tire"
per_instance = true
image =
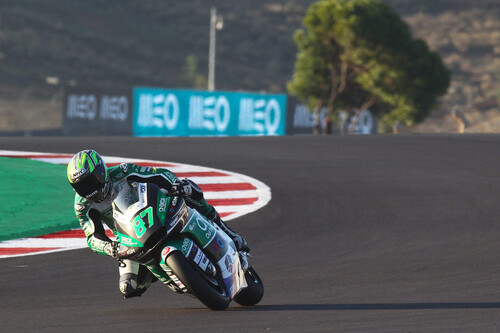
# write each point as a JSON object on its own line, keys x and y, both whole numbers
{"x": 252, "y": 294}
{"x": 214, "y": 297}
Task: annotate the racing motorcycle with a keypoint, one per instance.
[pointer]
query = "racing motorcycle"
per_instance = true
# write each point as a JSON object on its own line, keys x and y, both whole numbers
{"x": 181, "y": 247}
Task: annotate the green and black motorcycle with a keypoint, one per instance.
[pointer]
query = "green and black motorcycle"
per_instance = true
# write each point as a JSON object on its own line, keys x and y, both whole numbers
{"x": 181, "y": 247}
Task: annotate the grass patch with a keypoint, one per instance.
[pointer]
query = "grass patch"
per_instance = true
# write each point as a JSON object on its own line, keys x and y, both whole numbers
{"x": 35, "y": 199}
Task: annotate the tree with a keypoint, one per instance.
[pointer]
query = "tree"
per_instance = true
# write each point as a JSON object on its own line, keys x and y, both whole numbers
{"x": 360, "y": 54}
{"x": 190, "y": 75}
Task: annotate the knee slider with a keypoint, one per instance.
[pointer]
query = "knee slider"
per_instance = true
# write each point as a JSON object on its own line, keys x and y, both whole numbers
{"x": 133, "y": 285}
{"x": 128, "y": 285}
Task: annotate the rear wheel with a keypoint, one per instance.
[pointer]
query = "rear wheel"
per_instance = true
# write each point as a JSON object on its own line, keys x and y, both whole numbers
{"x": 210, "y": 291}
{"x": 252, "y": 294}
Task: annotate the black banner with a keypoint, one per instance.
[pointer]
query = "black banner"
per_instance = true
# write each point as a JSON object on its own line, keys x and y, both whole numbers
{"x": 300, "y": 120}
{"x": 97, "y": 112}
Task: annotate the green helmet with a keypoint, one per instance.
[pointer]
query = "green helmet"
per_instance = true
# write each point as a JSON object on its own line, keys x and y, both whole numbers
{"x": 88, "y": 175}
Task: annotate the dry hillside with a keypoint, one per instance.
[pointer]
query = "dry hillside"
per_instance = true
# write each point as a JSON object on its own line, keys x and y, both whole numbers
{"x": 48, "y": 44}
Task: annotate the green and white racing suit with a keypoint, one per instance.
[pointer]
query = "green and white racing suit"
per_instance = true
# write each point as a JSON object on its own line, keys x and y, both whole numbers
{"x": 134, "y": 278}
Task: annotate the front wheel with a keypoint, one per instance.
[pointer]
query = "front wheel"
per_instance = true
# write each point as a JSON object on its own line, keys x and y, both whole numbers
{"x": 210, "y": 292}
{"x": 252, "y": 294}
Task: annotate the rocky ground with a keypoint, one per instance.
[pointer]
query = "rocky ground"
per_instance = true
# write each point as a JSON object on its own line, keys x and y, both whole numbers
{"x": 469, "y": 42}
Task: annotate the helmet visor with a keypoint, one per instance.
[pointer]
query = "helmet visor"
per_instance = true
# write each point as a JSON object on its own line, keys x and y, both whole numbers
{"x": 87, "y": 186}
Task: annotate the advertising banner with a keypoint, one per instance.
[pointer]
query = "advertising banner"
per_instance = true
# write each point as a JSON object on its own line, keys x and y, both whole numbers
{"x": 96, "y": 112}
{"x": 300, "y": 120}
{"x": 161, "y": 112}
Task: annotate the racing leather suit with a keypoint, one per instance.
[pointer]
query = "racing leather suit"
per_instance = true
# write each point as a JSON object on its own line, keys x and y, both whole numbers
{"x": 134, "y": 278}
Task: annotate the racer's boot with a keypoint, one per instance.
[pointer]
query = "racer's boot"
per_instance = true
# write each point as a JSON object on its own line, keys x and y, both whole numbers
{"x": 135, "y": 279}
{"x": 240, "y": 242}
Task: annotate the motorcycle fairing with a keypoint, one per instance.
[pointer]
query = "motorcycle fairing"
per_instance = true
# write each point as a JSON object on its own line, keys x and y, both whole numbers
{"x": 154, "y": 215}
{"x": 212, "y": 239}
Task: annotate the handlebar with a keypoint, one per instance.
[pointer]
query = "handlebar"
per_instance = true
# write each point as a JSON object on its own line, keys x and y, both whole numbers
{"x": 175, "y": 191}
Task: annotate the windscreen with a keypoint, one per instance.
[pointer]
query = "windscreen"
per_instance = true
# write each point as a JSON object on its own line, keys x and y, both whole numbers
{"x": 129, "y": 198}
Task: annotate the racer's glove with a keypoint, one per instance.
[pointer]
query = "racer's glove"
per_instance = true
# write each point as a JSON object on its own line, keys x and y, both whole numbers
{"x": 111, "y": 249}
{"x": 188, "y": 188}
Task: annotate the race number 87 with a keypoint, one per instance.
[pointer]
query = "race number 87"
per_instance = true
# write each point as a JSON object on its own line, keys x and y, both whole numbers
{"x": 140, "y": 224}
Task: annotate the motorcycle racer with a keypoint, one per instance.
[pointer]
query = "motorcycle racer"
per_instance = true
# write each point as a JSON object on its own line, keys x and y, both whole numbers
{"x": 94, "y": 182}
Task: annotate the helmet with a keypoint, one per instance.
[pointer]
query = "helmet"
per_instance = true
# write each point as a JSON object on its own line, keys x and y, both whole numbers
{"x": 88, "y": 175}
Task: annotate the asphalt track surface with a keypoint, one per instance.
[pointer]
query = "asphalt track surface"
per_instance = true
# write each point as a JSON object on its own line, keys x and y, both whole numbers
{"x": 363, "y": 234}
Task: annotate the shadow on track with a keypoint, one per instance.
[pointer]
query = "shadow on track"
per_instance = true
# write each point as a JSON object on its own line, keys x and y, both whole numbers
{"x": 371, "y": 306}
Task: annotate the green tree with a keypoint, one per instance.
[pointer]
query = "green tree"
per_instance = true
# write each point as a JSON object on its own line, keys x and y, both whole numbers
{"x": 360, "y": 54}
{"x": 190, "y": 75}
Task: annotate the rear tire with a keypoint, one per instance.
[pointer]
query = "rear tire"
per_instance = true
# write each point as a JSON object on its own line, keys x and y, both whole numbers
{"x": 252, "y": 294}
{"x": 214, "y": 297}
